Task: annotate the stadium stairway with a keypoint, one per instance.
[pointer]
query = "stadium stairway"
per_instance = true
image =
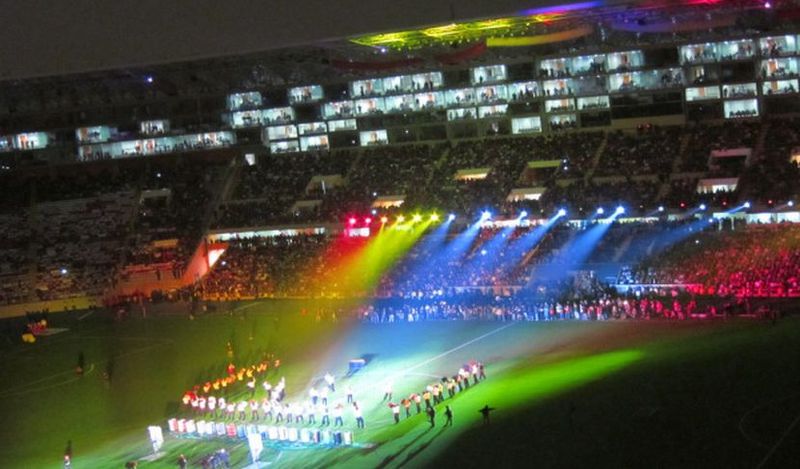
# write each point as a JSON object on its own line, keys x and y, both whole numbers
{"x": 758, "y": 151}
{"x": 622, "y": 248}
{"x": 676, "y": 165}
{"x": 596, "y": 158}
{"x": 224, "y": 187}
{"x": 198, "y": 264}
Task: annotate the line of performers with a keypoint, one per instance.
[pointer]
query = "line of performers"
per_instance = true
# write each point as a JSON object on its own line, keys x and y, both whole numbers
{"x": 435, "y": 393}
{"x": 247, "y": 375}
{"x": 273, "y": 409}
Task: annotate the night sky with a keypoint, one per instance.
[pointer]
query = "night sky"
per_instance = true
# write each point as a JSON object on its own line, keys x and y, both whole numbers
{"x": 50, "y": 37}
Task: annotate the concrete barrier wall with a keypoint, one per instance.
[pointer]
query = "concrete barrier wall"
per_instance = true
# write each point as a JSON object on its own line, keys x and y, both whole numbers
{"x": 54, "y": 306}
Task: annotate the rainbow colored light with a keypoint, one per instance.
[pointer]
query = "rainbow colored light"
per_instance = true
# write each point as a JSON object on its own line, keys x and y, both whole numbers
{"x": 467, "y": 31}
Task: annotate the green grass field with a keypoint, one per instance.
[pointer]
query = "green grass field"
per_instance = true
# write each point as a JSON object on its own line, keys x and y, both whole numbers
{"x": 646, "y": 394}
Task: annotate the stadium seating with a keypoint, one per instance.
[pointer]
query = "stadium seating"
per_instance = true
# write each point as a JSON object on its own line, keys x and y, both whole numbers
{"x": 63, "y": 232}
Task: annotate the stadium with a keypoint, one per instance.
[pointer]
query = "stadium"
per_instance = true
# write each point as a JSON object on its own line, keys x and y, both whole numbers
{"x": 411, "y": 234}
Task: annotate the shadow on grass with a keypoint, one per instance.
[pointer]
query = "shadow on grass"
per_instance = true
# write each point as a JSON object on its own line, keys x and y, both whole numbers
{"x": 412, "y": 454}
{"x": 388, "y": 459}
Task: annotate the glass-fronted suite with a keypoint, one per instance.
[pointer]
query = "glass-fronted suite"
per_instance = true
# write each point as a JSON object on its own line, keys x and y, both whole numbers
{"x": 559, "y": 105}
{"x": 588, "y": 85}
{"x": 285, "y": 146}
{"x": 95, "y": 134}
{"x": 243, "y": 119}
{"x": 466, "y": 113}
{"x": 778, "y": 46}
{"x": 338, "y": 109}
{"x": 625, "y": 61}
{"x": 702, "y": 93}
{"x": 429, "y": 100}
{"x": 522, "y": 91}
{"x": 593, "y": 102}
{"x": 736, "y": 50}
{"x": 526, "y": 125}
{"x": 373, "y": 137}
{"x": 557, "y": 88}
{"x": 701, "y": 74}
{"x": 563, "y": 121}
{"x": 555, "y": 68}
{"x": 645, "y": 80}
{"x": 278, "y": 115}
{"x": 398, "y": 84}
{"x": 312, "y": 128}
{"x": 279, "y": 132}
{"x": 314, "y": 142}
{"x": 305, "y": 94}
{"x": 589, "y": 64}
{"x": 739, "y": 90}
{"x": 247, "y": 100}
{"x": 6, "y": 143}
{"x": 779, "y": 87}
{"x": 154, "y": 127}
{"x": 31, "y": 140}
{"x": 741, "y": 108}
{"x": 497, "y": 110}
{"x": 369, "y": 106}
{"x": 342, "y": 124}
{"x": 259, "y": 117}
{"x": 366, "y": 88}
{"x": 427, "y": 81}
{"x": 491, "y": 94}
{"x": 698, "y": 53}
{"x": 400, "y": 103}
{"x": 778, "y": 68}
{"x": 460, "y": 97}
{"x": 488, "y": 74}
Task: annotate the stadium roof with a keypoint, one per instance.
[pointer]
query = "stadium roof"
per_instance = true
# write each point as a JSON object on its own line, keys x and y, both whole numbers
{"x": 43, "y": 38}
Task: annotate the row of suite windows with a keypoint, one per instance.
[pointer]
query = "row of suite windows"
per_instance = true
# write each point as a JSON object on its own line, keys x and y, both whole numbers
{"x": 741, "y": 90}
{"x": 738, "y": 49}
{"x": 156, "y": 145}
{"x": 733, "y": 109}
{"x": 24, "y": 141}
{"x": 560, "y": 67}
{"x": 647, "y": 80}
{"x": 423, "y": 89}
{"x": 778, "y": 66}
{"x": 368, "y": 138}
{"x": 104, "y": 133}
{"x": 320, "y": 142}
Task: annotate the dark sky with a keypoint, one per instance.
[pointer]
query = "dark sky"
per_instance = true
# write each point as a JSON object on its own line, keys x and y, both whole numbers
{"x": 56, "y": 37}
